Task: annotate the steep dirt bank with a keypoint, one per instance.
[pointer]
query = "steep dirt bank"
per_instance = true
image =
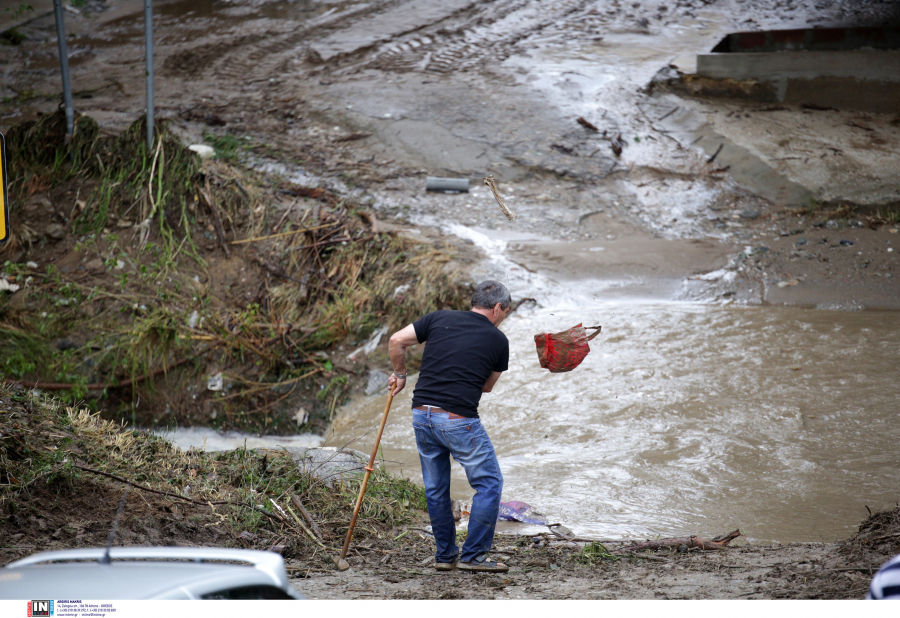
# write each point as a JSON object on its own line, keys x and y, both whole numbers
{"x": 171, "y": 291}
{"x": 64, "y": 471}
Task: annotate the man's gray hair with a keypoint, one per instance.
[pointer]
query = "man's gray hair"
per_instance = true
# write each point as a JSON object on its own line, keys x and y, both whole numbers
{"x": 489, "y": 293}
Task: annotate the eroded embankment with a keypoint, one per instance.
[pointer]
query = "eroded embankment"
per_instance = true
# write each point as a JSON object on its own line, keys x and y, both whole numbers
{"x": 166, "y": 290}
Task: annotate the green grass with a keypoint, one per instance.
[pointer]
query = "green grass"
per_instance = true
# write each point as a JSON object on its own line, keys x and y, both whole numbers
{"x": 595, "y": 552}
{"x": 228, "y": 147}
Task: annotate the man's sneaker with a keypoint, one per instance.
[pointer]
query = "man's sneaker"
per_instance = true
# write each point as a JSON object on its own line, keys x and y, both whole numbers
{"x": 444, "y": 566}
{"x": 485, "y": 566}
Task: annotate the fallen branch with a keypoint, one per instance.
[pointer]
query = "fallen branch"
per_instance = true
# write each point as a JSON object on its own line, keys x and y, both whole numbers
{"x": 587, "y": 125}
{"x": 690, "y": 542}
{"x": 716, "y": 153}
{"x": 176, "y": 496}
{"x": 489, "y": 181}
{"x": 306, "y": 515}
{"x": 282, "y": 234}
{"x": 306, "y": 530}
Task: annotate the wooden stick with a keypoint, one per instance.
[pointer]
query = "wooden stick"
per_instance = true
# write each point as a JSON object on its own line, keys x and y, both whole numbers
{"x": 369, "y": 469}
{"x": 720, "y": 542}
{"x": 306, "y": 515}
{"x": 306, "y": 530}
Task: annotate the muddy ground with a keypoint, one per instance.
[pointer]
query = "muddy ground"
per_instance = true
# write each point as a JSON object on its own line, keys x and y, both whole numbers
{"x": 369, "y": 99}
{"x": 64, "y": 472}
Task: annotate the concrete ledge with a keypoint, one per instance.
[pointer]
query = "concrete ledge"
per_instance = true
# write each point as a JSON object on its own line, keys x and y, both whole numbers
{"x": 861, "y": 65}
{"x": 863, "y": 80}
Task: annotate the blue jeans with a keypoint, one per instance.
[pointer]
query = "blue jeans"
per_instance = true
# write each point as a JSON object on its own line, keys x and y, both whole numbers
{"x": 437, "y": 437}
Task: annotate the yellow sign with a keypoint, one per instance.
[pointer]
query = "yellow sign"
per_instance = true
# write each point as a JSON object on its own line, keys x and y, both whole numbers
{"x": 4, "y": 194}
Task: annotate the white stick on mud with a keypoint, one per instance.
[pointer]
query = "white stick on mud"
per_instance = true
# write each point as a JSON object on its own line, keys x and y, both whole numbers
{"x": 489, "y": 181}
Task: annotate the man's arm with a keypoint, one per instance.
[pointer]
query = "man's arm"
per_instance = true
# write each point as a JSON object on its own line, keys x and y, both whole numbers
{"x": 495, "y": 375}
{"x": 402, "y": 339}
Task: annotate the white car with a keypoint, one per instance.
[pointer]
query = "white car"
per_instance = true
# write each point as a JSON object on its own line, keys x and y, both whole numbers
{"x": 132, "y": 573}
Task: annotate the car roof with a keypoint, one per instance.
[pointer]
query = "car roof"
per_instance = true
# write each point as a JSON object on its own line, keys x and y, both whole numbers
{"x": 141, "y": 573}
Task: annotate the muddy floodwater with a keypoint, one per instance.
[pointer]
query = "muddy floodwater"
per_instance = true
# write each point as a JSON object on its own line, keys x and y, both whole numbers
{"x": 688, "y": 419}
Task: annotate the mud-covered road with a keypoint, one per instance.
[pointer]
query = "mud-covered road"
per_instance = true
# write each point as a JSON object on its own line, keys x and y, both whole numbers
{"x": 376, "y": 96}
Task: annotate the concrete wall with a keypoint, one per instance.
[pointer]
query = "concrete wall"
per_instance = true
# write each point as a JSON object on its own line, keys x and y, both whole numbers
{"x": 862, "y": 80}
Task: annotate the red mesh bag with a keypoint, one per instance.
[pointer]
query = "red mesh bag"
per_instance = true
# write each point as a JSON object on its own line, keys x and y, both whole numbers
{"x": 560, "y": 352}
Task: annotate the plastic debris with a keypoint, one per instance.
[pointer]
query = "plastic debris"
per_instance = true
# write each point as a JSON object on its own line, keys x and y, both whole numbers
{"x": 520, "y": 511}
{"x": 561, "y": 352}
{"x": 216, "y": 382}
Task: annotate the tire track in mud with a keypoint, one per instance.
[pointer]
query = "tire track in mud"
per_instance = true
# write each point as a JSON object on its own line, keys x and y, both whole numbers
{"x": 471, "y": 37}
{"x": 488, "y": 36}
{"x": 257, "y": 54}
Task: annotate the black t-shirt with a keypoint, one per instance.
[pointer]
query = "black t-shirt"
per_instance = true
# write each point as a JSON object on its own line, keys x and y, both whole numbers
{"x": 463, "y": 349}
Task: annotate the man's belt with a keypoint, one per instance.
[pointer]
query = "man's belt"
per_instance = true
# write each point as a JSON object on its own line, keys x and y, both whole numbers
{"x": 437, "y": 410}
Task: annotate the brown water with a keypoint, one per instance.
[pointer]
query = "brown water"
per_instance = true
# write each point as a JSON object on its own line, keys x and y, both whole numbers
{"x": 688, "y": 419}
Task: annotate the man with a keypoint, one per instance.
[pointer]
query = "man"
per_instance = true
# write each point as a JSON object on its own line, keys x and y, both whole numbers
{"x": 464, "y": 357}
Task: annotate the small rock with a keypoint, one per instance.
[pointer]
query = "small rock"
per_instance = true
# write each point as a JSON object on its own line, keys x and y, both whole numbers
{"x": 749, "y": 214}
{"x": 55, "y": 231}
{"x": 205, "y": 152}
{"x": 832, "y": 224}
{"x": 95, "y": 264}
{"x": 31, "y": 265}
{"x": 801, "y": 241}
{"x": 193, "y": 320}
{"x": 377, "y": 382}
{"x": 329, "y": 464}
{"x": 784, "y": 284}
{"x": 846, "y": 243}
{"x": 759, "y": 250}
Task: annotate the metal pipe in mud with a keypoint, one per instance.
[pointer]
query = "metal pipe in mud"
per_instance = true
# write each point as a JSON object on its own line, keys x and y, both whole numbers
{"x": 64, "y": 67}
{"x": 341, "y": 563}
{"x": 433, "y": 183}
{"x": 148, "y": 41}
